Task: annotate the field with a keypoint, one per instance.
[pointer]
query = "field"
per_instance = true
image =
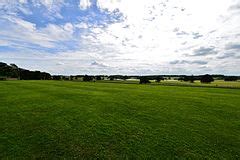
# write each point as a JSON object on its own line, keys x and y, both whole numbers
{"x": 215, "y": 84}
{"x": 87, "y": 120}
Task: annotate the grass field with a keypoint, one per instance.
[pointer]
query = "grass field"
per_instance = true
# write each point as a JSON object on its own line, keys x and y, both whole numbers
{"x": 215, "y": 84}
{"x": 60, "y": 119}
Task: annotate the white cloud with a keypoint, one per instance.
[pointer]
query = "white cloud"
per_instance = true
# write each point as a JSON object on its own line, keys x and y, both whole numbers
{"x": 50, "y": 4}
{"x": 23, "y": 1}
{"x": 149, "y": 36}
{"x": 84, "y": 4}
{"x": 21, "y": 32}
{"x": 146, "y": 34}
{"x": 69, "y": 27}
{"x": 20, "y": 23}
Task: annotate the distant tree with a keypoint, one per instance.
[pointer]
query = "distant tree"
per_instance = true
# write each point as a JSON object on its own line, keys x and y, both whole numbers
{"x": 230, "y": 78}
{"x": 65, "y": 78}
{"x": 111, "y": 78}
{"x": 14, "y": 66}
{"x": 159, "y": 79}
{"x": 8, "y": 70}
{"x": 56, "y": 77}
{"x": 98, "y": 78}
{"x": 36, "y": 75}
{"x": 144, "y": 80}
{"x": 191, "y": 79}
{"x": 3, "y": 64}
{"x": 24, "y": 74}
{"x": 125, "y": 78}
{"x": 206, "y": 79}
{"x": 186, "y": 78}
{"x": 181, "y": 79}
{"x": 12, "y": 71}
{"x": 87, "y": 78}
{"x": 45, "y": 76}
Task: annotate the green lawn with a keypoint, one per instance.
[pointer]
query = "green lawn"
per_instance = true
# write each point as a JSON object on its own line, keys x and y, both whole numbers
{"x": 57, "y": 120}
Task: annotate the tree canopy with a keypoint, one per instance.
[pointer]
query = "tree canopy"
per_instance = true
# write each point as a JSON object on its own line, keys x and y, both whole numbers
{"x": 13, "y": 71}
{"x": 206, "y": 79}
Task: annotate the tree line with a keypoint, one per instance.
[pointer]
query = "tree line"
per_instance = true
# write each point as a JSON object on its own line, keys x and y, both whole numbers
{"x": 13, "y": 71}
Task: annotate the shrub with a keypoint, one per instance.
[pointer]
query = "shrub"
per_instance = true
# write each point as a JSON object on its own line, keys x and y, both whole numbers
{"x": 144, "y": 80}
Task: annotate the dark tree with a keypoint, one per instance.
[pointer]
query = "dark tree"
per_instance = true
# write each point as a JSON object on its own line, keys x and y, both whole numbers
{"x": 191, "y": 79}
{"x": 144, "y": 80}
{"x": 56, "y": 77}
{"x": 14, "y": 66}
{"x": 230, "y": 78}
{"x": 87, "y": 78}
{"x": 65, "y": 78}
{"x": 159, "y": 79}
{"x": 98, "y": 78}
{"x": 111, "y": 78}
{"x": 206, "y": 79}
{"x": 181, "y": 78}
{"x": 186, "y": 78}
{"x": 8, "y": 70}
{"x": 3, "y": 64}
{"x": 46, "y": 76}
{"x": 125, "y": 78}
{"x": 12, "y": 71}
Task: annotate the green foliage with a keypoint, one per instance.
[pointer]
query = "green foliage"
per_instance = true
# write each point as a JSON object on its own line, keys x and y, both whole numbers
{"x": 159, "y": 79}
{"x": 144, "y": 80}
{"x": 206, "y": 78}
{"x": 87, "y": 78}
{"x": 98, "y": 78}
{"x": 9, "y": 71}
{"x": 12, "y": 71}
{"x": 84, "y": 120}
{"x": 230, "y": 78}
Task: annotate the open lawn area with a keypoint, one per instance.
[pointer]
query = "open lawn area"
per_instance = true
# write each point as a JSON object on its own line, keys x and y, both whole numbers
{"x": 88, "y": 120}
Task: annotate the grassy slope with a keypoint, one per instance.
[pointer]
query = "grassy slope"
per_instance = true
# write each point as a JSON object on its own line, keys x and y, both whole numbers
{"x": 53, "y": 119}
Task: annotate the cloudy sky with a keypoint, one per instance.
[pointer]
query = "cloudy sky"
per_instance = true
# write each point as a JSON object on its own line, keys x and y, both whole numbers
{"x": 122, "y": 36}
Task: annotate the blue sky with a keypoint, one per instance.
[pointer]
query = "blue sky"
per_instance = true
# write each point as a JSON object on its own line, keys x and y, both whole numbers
{"x": 121, "y": 36}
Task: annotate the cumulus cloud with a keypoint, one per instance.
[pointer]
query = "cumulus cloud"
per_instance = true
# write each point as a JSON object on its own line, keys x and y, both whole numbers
{"x": 84, "y": 4}
{"x": 196, "y": 35}
{"x": 199, "y": 62}
{"x": 232, "y": 46}
{"x": 98, "y": 64}
{"x": 204, "y": 51}
{"x": 227, "y": 55}
{"x": 19, "y": 32}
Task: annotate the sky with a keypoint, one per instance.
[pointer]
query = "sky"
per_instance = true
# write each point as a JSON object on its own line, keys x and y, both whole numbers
{"x": 130, "y": 37}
